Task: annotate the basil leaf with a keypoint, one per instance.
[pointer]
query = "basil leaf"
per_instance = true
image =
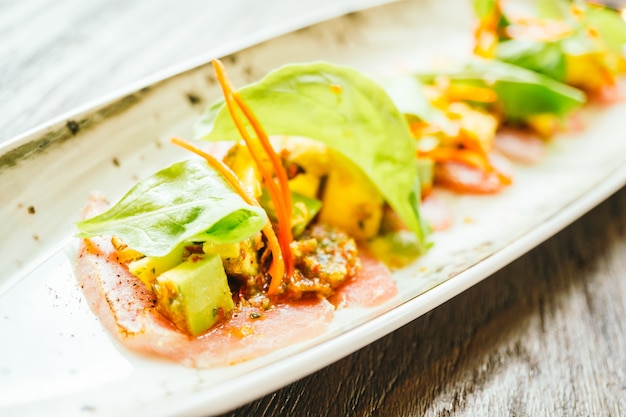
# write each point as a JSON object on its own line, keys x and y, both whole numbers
{"x": 521, "y": 92}
{"x": 187, "y": 201}
{"x": 545, "y": 58}
{"x": 345, "y": 110}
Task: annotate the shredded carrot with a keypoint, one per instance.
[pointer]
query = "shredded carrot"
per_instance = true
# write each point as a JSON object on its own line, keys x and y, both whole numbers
{"x": 279, "y": 193}
{"x": 279, "y": 169}
{"x": 464, "y": 156}
{"x": 540, "y": 30}
{"x": 277, "y": 268}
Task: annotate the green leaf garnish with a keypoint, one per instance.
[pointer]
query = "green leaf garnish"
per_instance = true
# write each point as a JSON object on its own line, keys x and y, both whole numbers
{"x": 184, "y": 202}
{"x": 547, "y": 58}
{"x": 343, "y": 109}
{"x": 521, "y": 92}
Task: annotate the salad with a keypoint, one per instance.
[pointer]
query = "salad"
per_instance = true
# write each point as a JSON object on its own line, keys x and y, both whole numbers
{"x": 316, "y": 189}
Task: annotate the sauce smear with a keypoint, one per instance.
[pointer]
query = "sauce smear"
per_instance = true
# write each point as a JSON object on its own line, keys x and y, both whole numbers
{"x": 372, "y": 286}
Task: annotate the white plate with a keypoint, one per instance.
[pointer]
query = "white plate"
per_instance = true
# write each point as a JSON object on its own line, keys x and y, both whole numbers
{"x": 54, "y": 355}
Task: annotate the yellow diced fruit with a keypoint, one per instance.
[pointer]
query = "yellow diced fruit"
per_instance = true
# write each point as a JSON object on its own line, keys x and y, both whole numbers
{"x": 148, "y": 268}
{"x": 311, "y": 155}
{"x": 305, "y": 184}
{"x": 351, "y": 201}
{"x": 240, "y": 161}
{"x": 545, "y": 124}
{"x": 590, "y": 71}
{"x": 195, "y": 294}
{"x": 479, "y": 126}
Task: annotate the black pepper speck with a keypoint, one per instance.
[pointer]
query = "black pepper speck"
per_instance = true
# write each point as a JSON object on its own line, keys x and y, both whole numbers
{"x": 72, "y": 126}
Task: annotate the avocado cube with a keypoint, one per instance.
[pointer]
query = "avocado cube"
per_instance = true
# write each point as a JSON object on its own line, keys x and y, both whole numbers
{"x": 195, "y": 294}
{"x": 240, "y": 259}
{"x": 148, "y": 268}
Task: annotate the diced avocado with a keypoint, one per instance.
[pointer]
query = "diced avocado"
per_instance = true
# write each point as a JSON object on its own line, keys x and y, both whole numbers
{"x": 351, "y": 201}
{"x": 240, "y": 259}
{"x": 148, "y": 268}
{"x": 303, "y": 210}
{"x": 396, "y": 249}
{"x": 194, "y": 295}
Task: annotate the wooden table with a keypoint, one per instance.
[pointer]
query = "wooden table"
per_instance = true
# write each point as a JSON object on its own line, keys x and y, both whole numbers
{"x": 544, "y": 336}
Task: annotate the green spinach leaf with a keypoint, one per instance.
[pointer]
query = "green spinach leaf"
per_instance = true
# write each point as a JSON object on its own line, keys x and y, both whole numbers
{"x": 187, "y": 201}
{"x": 546, "y": 58}
{"x": 345, "y": 110}
{"x": 521, "y": 92}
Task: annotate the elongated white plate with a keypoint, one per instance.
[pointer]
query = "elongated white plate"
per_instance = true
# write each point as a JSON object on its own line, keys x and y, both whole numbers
{"x": 55, "y": 358}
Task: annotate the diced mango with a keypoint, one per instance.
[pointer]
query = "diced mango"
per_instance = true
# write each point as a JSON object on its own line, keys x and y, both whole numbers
{"x": 351, "y": 201}
{"x": 305, "y": 184}
{"x": 311, "y": 155}
{"x": 479, "y": 127}
{"x": 241, "y": 162}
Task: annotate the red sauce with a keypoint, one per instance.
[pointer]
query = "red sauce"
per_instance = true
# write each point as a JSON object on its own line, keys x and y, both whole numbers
{"x": 372, "y": 286}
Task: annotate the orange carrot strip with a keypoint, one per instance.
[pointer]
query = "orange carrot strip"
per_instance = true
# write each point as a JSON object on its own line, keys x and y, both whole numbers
{"x": 282, "y": 193}
{"x": 279, "y": 169}
{"x": 281, "y": 203}
{"x": 263, "y": 139}
{"x": 465, "y": 156}
{"x": 277, "y": 268}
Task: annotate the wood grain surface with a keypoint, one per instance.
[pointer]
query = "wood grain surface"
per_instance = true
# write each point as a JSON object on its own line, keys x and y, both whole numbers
{"x": 545, "y": 336}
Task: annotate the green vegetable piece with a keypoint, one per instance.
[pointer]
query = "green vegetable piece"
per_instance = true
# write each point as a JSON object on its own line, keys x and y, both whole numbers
{"x": 396, "y": 249}
{"x": 547, "y": 58}
{"x": 303, "y": 210}
{"x": 343, "y": 109}
{"x": 148, "y": 268}
{"x": 521, "y": 92}
{"x": 240, "y": 259}
{"x": 187, "y": 201}
{"x": 194, "y": 295}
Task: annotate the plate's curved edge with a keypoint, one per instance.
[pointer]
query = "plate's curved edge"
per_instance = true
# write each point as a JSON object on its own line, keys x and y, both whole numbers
{"x": 66, "y": 125}
{"x": 260, "y": 382}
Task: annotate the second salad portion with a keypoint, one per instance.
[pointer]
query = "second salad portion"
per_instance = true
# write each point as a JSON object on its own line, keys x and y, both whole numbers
{"x": 318, "y": 193}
